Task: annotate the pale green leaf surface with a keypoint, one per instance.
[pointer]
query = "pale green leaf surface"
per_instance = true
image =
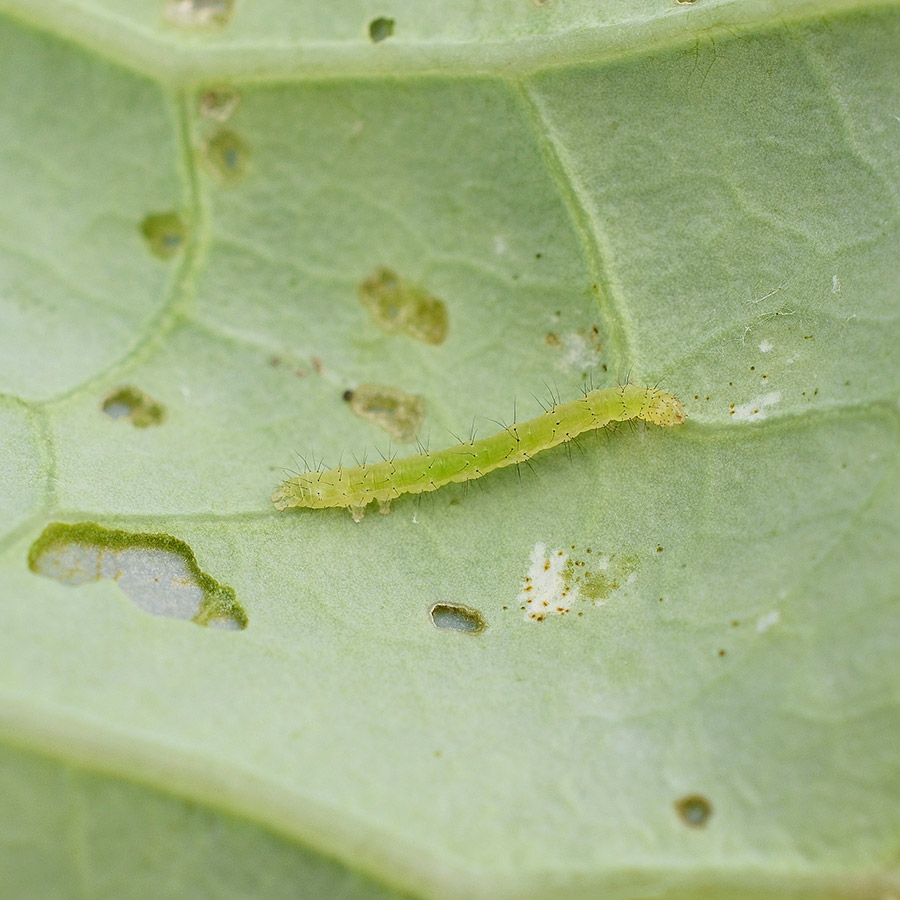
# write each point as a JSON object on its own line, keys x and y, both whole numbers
{"x": 641, "y": 192}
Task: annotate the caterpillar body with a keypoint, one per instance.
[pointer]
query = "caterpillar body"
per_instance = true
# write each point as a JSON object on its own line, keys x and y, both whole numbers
{"x": 355, "y": 487}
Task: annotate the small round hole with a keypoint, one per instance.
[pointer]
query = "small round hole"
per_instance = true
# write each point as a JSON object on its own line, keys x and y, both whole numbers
{"x": 694, "y": 810}
{"x": 380, "y": 29}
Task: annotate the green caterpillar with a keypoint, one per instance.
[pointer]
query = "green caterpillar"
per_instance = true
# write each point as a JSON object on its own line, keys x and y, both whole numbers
{"x": 358, "y": 486}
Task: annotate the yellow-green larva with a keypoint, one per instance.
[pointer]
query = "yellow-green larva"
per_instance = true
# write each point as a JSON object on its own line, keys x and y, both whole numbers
{"x": 358, "y": 486}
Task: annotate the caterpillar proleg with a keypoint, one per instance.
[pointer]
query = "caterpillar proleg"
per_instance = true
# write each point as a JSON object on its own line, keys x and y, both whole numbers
{"x": 356, "y": 487}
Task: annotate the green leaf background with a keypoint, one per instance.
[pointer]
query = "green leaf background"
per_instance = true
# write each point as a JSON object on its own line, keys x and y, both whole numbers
{"x": 704, "y": 195}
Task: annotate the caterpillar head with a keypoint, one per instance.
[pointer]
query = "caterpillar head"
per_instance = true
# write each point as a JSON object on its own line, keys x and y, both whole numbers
{"x": 304, "y": 490}
{"x": 663, "y": 409}
{"x": 314, "y": 490}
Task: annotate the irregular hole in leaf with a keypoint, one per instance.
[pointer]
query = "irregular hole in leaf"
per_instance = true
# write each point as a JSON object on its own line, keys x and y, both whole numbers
{"x": 158, "y": 572}
{"x": 380, "y": 29}
{"x": 694, "y": 810}
{"x": 198, "y": 13}
{"x": 128, "y": 402}
{"x": 398, "y": 413}
{"x": 218, "y": 104}
{"x": 227, "y": 155}
{"x": 401, "y": 307}
{"x": 164, "y": 233}
{"x": 457, "y": 617}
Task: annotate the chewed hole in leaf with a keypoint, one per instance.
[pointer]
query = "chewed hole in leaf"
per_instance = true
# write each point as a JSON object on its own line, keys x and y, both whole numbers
{"x": 694, "y": 810}
{"x": 134, "y": 405}
{"x": 157, "y": 572}
{"x": 380, "y": 29}
{"x": 456, "y": 617}
{"x": 198, "y": 13}
{"x": 227, "y": 156}
{"x": 164, "y": 233}
{"x": 398, "y": 306}
{"x": 398, "y": 413}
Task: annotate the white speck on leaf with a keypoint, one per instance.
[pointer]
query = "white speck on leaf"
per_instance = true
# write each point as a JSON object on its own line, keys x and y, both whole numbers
{"x": 756, "y": 410}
